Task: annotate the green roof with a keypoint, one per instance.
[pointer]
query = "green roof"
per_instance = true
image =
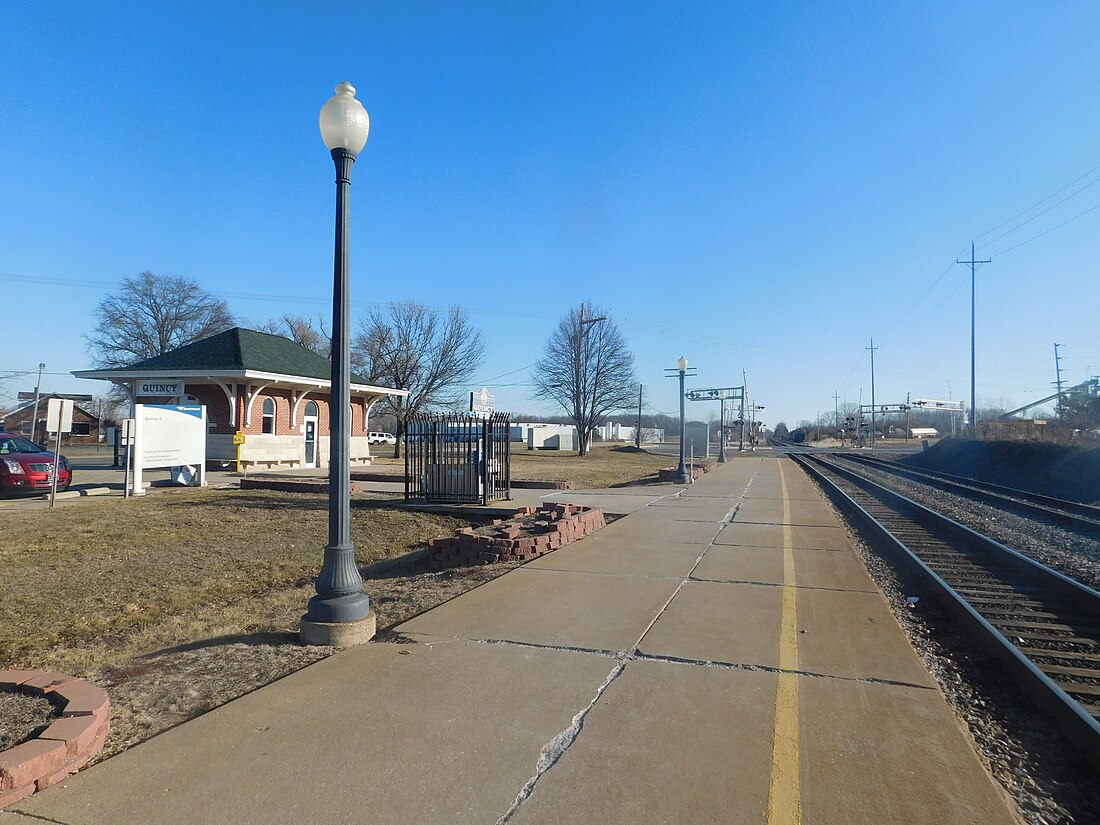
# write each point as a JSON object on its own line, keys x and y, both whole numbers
{"x": 240, "y": 349}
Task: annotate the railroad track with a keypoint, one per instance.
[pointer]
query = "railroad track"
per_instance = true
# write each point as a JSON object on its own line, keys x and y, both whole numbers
{"x": 1042, "y": 626}
{"x": 1082, "y": 518}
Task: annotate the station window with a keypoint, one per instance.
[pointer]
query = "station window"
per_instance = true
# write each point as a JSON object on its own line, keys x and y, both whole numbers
{"x": 269, "y": 416}
{"x": 311, "y": 409}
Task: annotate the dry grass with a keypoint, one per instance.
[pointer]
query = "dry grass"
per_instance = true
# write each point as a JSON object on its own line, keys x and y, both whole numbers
{"x": 171, "y": 566}
{"x": 604, "y": 466}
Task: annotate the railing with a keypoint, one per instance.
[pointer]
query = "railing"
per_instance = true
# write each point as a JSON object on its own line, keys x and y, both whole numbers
{"x": 458, "y": 459}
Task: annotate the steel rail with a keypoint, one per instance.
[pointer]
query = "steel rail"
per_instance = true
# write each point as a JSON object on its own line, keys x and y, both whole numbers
{"x": 1016, "y": 582}
{"x": 1073, "y": 512}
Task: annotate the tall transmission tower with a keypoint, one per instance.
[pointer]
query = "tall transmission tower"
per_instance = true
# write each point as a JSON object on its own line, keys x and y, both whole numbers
{"x": 973, "y": 264}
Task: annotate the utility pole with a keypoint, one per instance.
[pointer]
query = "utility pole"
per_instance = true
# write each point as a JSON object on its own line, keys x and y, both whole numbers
{"x": 1058, "y": 379}
{"x": 872, "y": 348}
{"x": 836, "y": 410}
{"x": 741, "y": 412}
{"x": 581, "y": 376}
{"x": 37, "y": 393}
{"x": 638, "y": 429}
{"x": 973, "y": 264}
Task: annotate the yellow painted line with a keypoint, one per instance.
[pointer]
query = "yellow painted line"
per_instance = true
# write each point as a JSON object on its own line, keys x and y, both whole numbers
{"x": 784, "y": 796}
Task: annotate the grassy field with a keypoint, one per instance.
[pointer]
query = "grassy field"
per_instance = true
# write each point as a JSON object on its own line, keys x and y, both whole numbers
{"x": 604, "y": 466}
{"x": 96, "y": 575}
{"x": 180, "y": 565}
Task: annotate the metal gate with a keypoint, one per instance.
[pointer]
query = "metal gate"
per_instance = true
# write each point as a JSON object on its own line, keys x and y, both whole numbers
{"x": 458, "y": 459}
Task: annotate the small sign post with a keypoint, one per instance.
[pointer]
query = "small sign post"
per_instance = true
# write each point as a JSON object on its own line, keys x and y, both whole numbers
{"x": 127, "y": 442}
{"x": 238, "y": 440}
{"x": 59, "y": 419}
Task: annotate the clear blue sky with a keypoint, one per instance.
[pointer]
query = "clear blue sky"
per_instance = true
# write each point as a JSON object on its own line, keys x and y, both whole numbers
{"x": 756, "y": 186}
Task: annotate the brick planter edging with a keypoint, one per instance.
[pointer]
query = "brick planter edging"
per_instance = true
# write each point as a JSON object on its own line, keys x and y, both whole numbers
{"x": 558, "y": 525}
{"x": 536, "y": 484}
{"x": 66, "y": 745}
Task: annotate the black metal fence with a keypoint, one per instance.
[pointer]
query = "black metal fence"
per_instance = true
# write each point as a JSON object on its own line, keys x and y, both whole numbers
{"x": 458, "y": 459}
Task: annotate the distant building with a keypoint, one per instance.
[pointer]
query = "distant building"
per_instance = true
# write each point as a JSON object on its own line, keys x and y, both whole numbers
{"x": 85, "y": 424}
{"x": 272, "y": 390}
{"x": 924, "y": 432}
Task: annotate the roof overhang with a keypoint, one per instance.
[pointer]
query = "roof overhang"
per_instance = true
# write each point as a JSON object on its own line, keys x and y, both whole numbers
{"x": 234, "y": 376}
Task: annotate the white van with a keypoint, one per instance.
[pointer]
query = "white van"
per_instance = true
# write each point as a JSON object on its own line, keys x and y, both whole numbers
{"x": 381, "y": 438}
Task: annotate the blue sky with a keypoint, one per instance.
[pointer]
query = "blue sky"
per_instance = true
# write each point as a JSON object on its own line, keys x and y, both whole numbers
{"x": 760, "y": 187}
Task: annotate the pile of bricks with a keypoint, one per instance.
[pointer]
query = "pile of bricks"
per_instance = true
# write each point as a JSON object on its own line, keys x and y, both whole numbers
{"x": 65, "y": 745}
{"x": 530, "y": 533}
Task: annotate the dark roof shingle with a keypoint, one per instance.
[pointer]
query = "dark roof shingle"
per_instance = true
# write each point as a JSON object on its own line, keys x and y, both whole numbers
{"x": 242, "y": 349}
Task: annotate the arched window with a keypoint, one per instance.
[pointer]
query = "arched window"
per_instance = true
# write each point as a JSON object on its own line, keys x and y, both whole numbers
{"x": 269, "y": 416}
{"x": 311, "y": 409}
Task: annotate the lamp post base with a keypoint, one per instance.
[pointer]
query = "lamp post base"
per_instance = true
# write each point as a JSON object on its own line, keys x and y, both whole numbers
{"x": 338, "y": 634}
{"x": 682, "y": 477}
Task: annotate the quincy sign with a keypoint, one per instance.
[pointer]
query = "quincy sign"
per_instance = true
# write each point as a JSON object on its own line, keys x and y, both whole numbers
{"x": 169, "y": 435}
{"x": 159, "y": 387}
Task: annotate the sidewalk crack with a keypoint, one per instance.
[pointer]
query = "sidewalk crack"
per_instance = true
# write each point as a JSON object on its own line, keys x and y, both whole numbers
{"x": 553, "y": 750}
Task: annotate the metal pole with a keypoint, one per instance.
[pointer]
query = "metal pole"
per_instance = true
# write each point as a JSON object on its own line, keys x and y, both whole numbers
{"x": 681, "y": 471}
{"x": 722, "y": 430}
{"x": 37, "y": 392}
{"x": 872, "y": 348}
{"x": 340, "y": 596}
{"x": 741, "y": 413}
{"x": 973, "y": 392}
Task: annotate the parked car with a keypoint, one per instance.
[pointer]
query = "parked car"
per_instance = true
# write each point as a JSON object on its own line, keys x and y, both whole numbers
{"x": 27, "y": 467}
{"x": 381, "y": 438}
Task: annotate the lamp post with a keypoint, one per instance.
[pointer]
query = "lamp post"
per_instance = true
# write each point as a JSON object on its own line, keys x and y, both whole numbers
{"x": 340, "y": 613}
{"x": 722, "y": 429}
{"x": 681, "y": 471}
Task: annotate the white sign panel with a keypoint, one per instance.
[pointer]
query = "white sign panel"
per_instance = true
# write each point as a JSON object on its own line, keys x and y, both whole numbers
{"x": 169, "y": 434}
{"x": 159, "y": 387}
{"x": 482, "y": 402}
{"x": 59, "y": 415}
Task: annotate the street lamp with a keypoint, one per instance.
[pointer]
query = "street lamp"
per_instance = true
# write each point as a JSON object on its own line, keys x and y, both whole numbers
{"x": 681, "y": 471}
{"x": 340, "y": 613}
{"x": 722, "y": 429}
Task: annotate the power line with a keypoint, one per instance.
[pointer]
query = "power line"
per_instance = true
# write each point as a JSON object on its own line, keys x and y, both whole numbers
{"x": 1040, "y": 203}
{"x": 1039, "y": 214}
{"x": 1048, "y": 231}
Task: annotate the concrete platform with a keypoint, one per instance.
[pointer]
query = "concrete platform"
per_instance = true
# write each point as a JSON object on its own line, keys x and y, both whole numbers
{"x": 651, "y": 673}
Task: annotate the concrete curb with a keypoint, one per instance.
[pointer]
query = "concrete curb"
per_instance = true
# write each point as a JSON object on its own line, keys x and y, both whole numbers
{"x": 87, "y": 491}
{"x": 63, "y": 747}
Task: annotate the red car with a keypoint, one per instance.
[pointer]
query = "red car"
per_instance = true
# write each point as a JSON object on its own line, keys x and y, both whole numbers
{"x": 26, "y": 467}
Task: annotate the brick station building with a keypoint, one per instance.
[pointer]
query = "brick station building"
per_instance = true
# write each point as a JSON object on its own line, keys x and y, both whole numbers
{"x": 269, "y": 388}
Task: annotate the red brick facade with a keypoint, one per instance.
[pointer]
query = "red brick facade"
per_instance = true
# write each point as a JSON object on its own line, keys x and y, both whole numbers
{"x": 217, "y": 410}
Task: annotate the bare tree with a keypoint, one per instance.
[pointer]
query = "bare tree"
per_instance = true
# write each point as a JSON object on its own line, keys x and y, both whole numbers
{"x": 302, "y": 331}
{"x": 429, "y": 352}
{"x": 151, "y": 315}
{"x": 587, "y": 369}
